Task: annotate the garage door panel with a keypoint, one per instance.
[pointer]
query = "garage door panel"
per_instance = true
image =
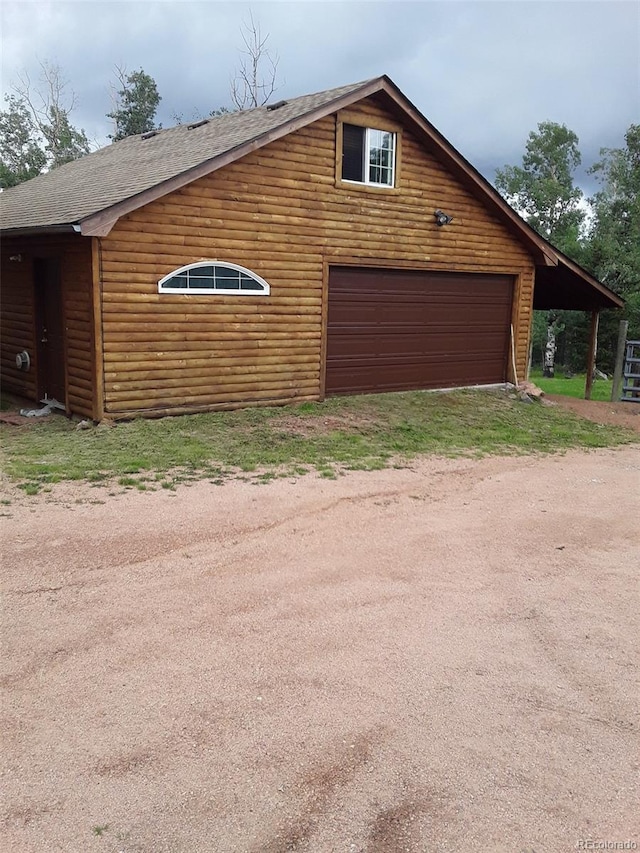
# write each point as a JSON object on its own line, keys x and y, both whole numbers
{"x": 368, "y": 345}
{"x": 398, "y": 329}
{"x": 391, "y": 376}
{"x": 389, "y": 308}
{"x": 428, "y": 317}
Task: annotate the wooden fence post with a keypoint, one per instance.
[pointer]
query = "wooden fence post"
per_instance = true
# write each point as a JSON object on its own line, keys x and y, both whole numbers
{"x": 617, "y": 373}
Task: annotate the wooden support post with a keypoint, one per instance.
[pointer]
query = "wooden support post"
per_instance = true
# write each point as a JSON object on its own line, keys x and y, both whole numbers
{"x": 97, "y": 331}
{"x": 617, "y": 373}
{"x": 591, "y": 356}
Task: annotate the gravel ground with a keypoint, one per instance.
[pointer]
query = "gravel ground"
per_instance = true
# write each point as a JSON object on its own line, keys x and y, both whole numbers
{"x": 440, "y": 658}
{"x": 616, "y": 414}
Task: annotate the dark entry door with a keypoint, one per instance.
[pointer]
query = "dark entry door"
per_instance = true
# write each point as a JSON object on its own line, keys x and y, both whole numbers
{"x": 49, "y": 329}
{"x": 391, "y": 330}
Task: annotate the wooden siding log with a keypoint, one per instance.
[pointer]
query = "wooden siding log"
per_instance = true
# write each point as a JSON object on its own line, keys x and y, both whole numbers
{"x": 194, "y": 409}
{"x": 334, "y": 224}
{"x": 422, "y": 242}
{"x": 163, "y": 303}
{"x": 241, "y": 387}
{"x": 299, "y": 288}
{"x": 168, "y": 383}
{"x": 444, "y": 246}
{"x": 233, "y": 330}
{"x": 122, "y": 268}
{"x": 117, "y": 351}
{"x": 228, "y": 205}
{"x": 225, "y": 333}
{"x": 223, "y": 363}
{"x": 201, "y": 356}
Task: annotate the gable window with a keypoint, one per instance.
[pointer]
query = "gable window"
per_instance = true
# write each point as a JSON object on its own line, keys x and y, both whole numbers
{"x": 368, "y": 155}
{"x": 213, "y": 277}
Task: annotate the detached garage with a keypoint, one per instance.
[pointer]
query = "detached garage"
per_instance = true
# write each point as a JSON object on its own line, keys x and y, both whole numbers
{"x": 330, "y": 244}
{"x": 393, "y": 330}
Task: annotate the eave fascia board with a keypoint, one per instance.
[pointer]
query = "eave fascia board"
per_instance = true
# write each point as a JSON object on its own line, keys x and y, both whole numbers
{"x": 100, "y": 224}
{"x": 32, "y": 230}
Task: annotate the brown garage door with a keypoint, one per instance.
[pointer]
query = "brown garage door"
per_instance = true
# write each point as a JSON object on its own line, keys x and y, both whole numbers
{"x": 390, "y": 330}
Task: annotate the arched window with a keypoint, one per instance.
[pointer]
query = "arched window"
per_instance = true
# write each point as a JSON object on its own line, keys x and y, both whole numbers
{"x": 214, "y": 277}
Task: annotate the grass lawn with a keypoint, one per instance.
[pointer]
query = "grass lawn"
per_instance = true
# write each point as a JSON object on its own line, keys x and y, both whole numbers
{"x": 573, "y": 387}
{"x": 364, "y": 432}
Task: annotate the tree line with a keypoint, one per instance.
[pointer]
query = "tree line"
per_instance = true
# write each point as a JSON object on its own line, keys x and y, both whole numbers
{"x": 36, "y": 130}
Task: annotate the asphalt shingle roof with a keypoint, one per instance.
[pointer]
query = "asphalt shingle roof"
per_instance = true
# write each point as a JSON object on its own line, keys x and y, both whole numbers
{"x": 124, "y": 169}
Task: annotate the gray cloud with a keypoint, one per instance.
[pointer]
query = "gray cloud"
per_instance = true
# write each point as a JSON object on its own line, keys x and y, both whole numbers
{"x": 484, "y": 73}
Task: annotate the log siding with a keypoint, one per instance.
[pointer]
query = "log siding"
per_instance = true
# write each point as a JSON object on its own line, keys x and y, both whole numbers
{"x": 17, "y": 319}
{"x": 282, "y": 213}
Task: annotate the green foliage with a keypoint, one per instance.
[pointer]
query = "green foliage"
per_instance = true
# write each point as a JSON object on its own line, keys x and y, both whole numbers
{"x": 543, "y": 187}
{"x": 539, "y": 337}
{"x": 63, "y": 142}
{"x": 21, "y": 156}
{"x": 615, "y": 235}
{"x": 614, "y": 245}
{"x": 136, "y": 104}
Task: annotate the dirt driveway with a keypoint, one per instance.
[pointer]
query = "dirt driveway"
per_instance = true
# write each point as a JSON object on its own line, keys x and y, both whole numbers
{"x": 442, "y": 658}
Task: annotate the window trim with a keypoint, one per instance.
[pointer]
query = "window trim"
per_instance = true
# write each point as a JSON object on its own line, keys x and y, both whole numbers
{"x": 366, "y": 159}
{"x": 372, "y": 122}
{"x": 214, "y": 291}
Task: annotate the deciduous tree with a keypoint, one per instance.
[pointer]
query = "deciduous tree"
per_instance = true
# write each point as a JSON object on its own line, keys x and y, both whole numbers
{"x": 614, "y": 244}
{"x": 544, "y": 191}
{"x": 36, "y": 130}
{"x": 255, "y": 80}
{"x": 615, "y": 233}
{"x": 21, "y": 154}
{"x": 543, "y": 187}
{"x": 135, "y": 104}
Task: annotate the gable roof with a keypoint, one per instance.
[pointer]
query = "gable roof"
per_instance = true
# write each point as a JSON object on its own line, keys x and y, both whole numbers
{"x": 127, "y": 169}
{"x": 90, "y": 194}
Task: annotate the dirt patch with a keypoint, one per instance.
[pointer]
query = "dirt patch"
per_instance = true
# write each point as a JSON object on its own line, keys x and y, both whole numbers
{"x": 317, "y": 425}
{"x": 614, "y": 414}
{"x": 442, "y": 657}
{"x": 14, "y": 418}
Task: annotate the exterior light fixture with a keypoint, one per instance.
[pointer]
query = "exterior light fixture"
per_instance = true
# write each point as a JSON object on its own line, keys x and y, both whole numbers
{"x": 442, "y": 218}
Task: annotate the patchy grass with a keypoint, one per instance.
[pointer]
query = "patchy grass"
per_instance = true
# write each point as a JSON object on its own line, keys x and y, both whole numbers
{"x": 573, "y": 387}
{"x": 365, "y": 432}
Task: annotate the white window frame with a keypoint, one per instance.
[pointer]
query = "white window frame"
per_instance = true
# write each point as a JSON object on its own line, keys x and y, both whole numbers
{"x": 212, "y": 291}
{"x": 367, "y": 162}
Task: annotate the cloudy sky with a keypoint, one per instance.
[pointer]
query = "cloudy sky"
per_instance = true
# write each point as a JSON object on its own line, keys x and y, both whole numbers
{"x": 485, "y": 72}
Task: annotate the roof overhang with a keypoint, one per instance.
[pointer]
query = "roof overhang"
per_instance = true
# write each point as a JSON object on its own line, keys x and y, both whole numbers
{"x": 569, "y": 287}
{"x": 65, "y": 228}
